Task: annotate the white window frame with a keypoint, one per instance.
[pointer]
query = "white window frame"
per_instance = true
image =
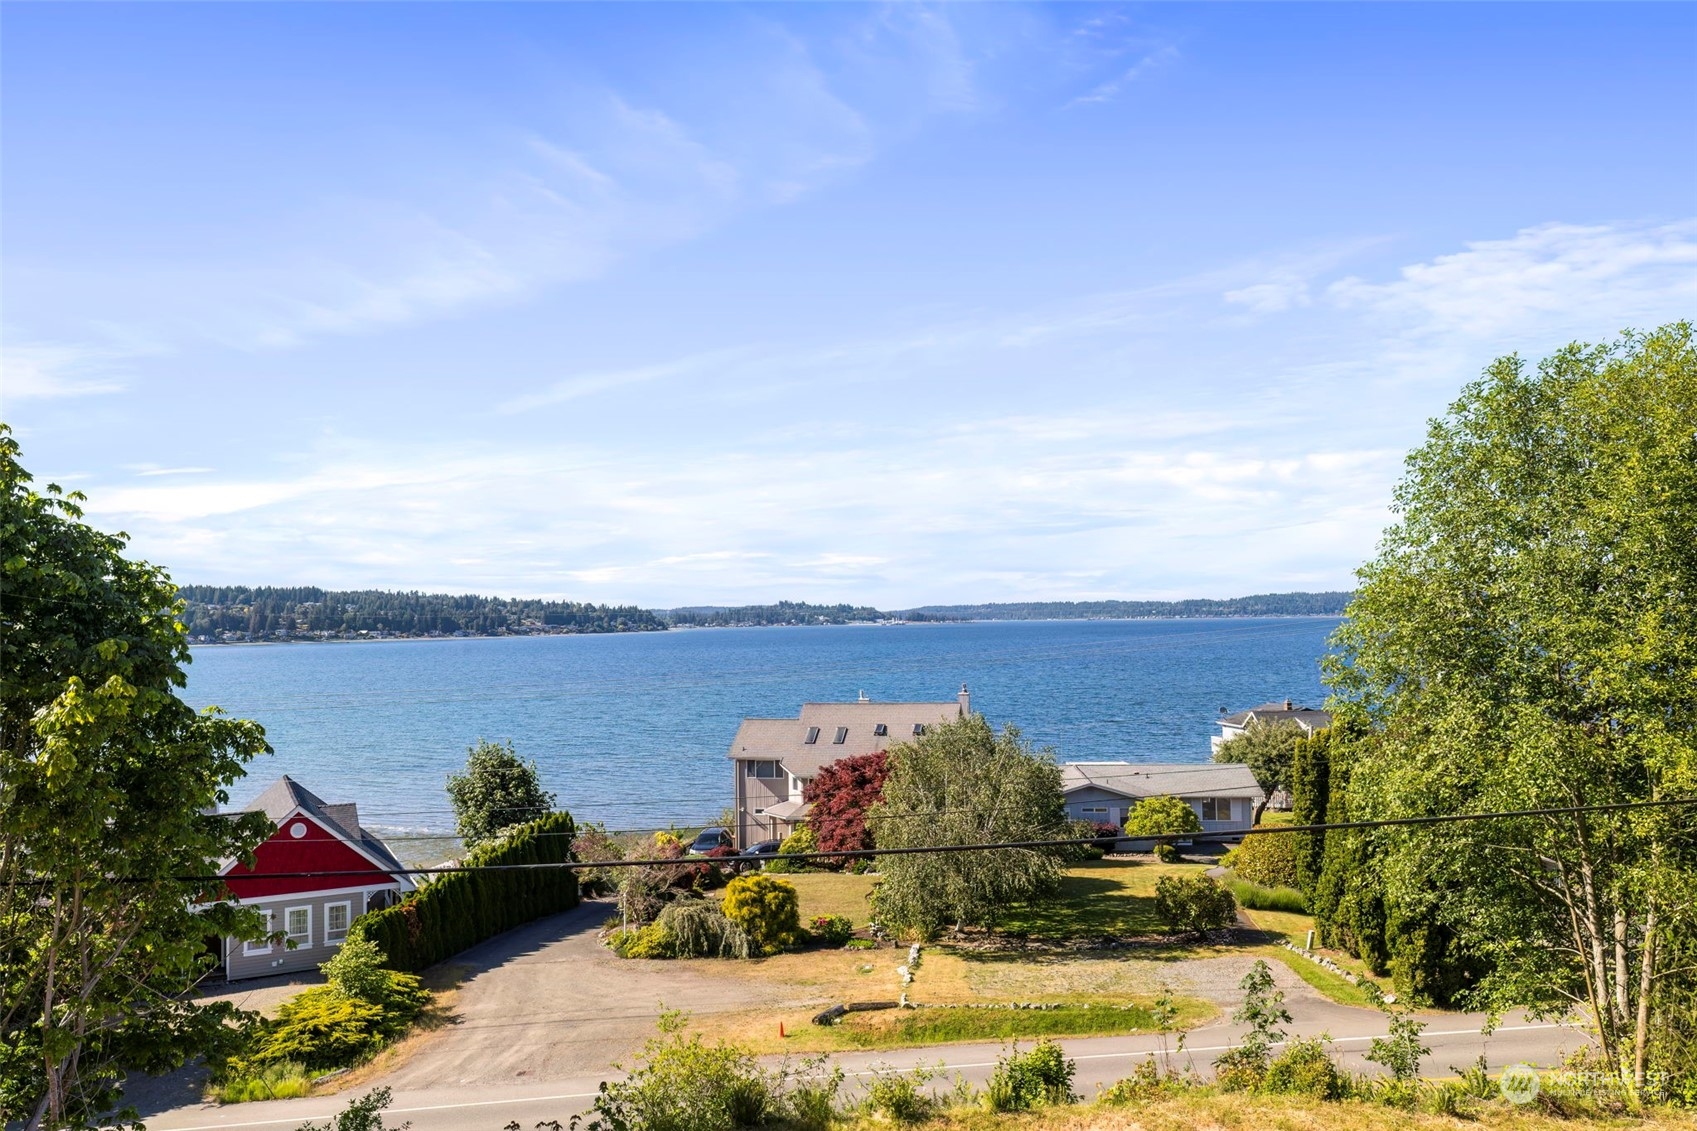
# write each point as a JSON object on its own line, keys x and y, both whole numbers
{"x": 1089, "y": 811}
{"x": 1215, "y": 803}
{"x": 330, "y": 933}
{"x": 300, "y": 941}
{"x": 251, "y": 948}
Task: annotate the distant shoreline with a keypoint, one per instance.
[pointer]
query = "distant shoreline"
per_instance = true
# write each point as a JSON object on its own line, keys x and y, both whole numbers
{"x": 438, "y": 639}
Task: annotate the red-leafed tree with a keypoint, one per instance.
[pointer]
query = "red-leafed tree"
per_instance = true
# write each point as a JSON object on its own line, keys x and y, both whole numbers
{"x": 840, "y": 795}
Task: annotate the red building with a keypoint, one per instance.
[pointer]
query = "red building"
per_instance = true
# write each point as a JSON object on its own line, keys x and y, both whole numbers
{"x": 349, "y": 871}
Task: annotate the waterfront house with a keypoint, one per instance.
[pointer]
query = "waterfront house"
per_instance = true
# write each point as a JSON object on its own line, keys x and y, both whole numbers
{"x": 1310, "y": 719}
{"x": 312, "y": 912}
{"x": 1224, "y": 794}
{"x": 773, "y": 759}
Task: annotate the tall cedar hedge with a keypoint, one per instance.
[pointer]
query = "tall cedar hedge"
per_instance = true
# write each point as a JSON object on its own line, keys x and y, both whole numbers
{"x": 461, "y": 909}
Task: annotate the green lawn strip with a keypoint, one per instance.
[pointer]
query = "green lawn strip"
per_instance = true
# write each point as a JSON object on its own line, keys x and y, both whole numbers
{"x": 951, "y": 1024}
{"x": 1328, "y": 983}
{"x": 1098, "y": 897}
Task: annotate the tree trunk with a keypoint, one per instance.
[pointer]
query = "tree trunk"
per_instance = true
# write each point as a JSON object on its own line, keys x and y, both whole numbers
{"x": 1646, "y": 976}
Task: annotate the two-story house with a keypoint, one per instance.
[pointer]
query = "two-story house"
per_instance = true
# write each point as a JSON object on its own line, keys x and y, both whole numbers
{"x": 773, "y": 759}
{"x": 1310, "y": 719}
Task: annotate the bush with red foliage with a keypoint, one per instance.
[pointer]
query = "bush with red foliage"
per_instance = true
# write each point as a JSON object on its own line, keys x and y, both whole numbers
{"x": 840, "y": 795}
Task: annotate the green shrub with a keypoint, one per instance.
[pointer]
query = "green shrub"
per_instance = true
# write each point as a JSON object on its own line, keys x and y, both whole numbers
{"x": 1193, "y": 905}
{"x": 1244, "y": 1067}
{"x": 685, "y": 1084}
{"x": 652, "y": 941}
{"x": 357, "y": 970}
{"x": 901, "y": 1097}
{"x": 284, "y": 1080}
{"x": 1167, "y": 853}
{"x": 1023, "y": 1081}
{"x": 461, "y": 909}
{"x": 832, "y": 930}
{"x": 800, "y": 841}
{"x": 699, "y": 929}
{"x": 363, "y": 1114}
{"x": 323, "y": 1029}
{"x": 767, "y": 909}
{"x": 1268, "y": 859}
{"x": 1305, "y": 1068}
{"x": 1257, "y": 897}
{"x": 1144, "y": 1083}
{"x": 1161, "y": 816}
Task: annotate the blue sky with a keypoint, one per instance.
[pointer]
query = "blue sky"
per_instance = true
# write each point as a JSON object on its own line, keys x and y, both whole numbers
{"x": 680, "y": 305}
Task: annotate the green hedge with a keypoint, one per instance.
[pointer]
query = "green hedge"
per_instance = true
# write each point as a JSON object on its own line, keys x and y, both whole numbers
{"x": 461, "y": 909}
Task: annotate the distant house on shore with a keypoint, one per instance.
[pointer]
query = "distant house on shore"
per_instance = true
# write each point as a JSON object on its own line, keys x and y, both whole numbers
{"x": 313, "y": 912}
{"x": 1224, "y": 794}
{"x": 774, "y": 759}
{"x": 1310, "y": 719}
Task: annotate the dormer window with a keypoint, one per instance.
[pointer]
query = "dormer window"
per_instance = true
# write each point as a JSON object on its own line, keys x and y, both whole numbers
{"x": 842, "y": 736}
{"x": 881, "y": 730}
{"x": 812, "y": 736}
{"x": 918, "y": 729}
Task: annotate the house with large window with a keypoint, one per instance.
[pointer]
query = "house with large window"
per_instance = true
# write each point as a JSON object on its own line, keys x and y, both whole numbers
{"x": 355, "y": 872}
{"x": 773, "y": 760}
{"x": 1224, "y": 794}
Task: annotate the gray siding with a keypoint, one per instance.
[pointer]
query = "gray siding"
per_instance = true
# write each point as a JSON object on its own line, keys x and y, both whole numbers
{"x": 281, "y": 958}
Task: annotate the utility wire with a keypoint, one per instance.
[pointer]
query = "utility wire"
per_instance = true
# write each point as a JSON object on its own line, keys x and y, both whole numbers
{"x": 577, "y": 866}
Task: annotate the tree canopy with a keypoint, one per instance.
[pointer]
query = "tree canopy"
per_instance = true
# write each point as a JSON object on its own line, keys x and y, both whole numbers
{"x": 107, "y": 786}
{"x": 962, "y": 783}
{"x": 1268, "y": 749}
{"x": 1527, "y": 637}
{"x": 840, "y": 794}
{"x": 497, "y": 791}
{"x": 1161, "y": 816}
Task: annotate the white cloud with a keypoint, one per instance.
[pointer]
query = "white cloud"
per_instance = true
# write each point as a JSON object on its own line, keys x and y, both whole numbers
{"x": 41, "y": 371}
{"x": 1148, "y": 63}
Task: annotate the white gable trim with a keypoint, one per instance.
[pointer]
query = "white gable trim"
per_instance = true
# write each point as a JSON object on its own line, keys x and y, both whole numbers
{"x": 301, "y": 813}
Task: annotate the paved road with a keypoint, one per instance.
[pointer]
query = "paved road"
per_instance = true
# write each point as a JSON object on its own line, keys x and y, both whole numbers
{"x": 1101, "y": 1061}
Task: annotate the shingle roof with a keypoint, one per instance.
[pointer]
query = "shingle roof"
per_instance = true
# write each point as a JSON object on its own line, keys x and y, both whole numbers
{"x": 786, "y": 739}
{"x": 1156, "y": 779}
{"x": 1311, "y": 718}
{"x": 285, "y": 795}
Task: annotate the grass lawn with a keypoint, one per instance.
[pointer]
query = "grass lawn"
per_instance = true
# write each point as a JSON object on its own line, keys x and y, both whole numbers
{"x": 831, "y": 893}
{"x": 905, "y": 1027}
{"x": 1294, "y": 928}
{"x": 1100, "y": 897}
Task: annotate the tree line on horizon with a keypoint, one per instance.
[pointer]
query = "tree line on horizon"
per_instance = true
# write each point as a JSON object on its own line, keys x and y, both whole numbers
{"x": 215, "y": 612}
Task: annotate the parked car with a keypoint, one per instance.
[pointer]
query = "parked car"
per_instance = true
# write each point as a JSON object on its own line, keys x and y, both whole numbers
{"x": 755, "y": 855}
{"x": 709, "y": 839}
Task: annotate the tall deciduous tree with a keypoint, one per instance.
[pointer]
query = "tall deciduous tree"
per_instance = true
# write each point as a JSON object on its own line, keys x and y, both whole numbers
{"x": 840, "y": 794}
{"x": 1269, "y": 750}
{"x": 962, "y": 783}
{"x": 107, "y": 786}
{"x": 1527, "y": 637}
{"x": 497, "y": 791}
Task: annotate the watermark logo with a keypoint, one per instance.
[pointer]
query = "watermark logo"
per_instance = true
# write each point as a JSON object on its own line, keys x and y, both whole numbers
{"x": 1519, "y": 1083}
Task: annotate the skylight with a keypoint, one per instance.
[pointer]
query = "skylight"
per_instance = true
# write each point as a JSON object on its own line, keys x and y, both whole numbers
{"x": 881, "y": 730}
{"x": 918, "y": 728}
{"x": 812, "y": 735}
{"x": 842, "y": 736}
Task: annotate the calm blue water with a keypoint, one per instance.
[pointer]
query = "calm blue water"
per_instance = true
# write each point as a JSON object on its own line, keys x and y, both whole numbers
{"x": 633, "y": 729}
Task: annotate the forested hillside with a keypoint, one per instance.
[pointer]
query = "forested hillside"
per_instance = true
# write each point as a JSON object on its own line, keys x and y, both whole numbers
{"x": 1260, "y": 605}
{"x": 240, "y": 612}
{"x": 784, "y": 612}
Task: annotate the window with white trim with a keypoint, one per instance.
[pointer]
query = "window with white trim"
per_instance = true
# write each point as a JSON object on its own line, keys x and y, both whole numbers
{"x": 263, "y": 946}
{"x": 762, "y": 769}
{"x": 1095, "y": 813}
{"x": 335, "y": 922}
{"x": 297, "y": 925}
{"x": 1216, "y": 808}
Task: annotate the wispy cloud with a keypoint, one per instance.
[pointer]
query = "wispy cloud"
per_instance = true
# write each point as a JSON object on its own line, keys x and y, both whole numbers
{"x": 1148, "y": 63}
{"x": 40, "y": 371}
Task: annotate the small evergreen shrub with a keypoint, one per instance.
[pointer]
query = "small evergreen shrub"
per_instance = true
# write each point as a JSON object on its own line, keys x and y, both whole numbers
{"x": 832, "y": 930}
{"x": 321, "y": 1028}
{"x": 1023, "y": 1081}
{"x": 767, "y": 909}
{"x": 652, "y": 941}
{"x": 1305, "y": 1068}
{"x": 1194, "y": 905}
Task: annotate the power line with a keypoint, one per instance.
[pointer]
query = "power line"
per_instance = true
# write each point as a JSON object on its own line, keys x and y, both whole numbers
{"x": 1070, "y": 842}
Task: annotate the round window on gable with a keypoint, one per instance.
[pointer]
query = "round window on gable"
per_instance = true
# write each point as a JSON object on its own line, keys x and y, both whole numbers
{"x": 298, "y": 829}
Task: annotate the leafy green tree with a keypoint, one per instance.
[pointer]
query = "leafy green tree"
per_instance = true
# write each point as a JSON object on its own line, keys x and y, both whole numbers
{"x": 1162, "y": 816}
{"x": 962, "y": 783}
{"x": 1526, "y": 638}
{"x": 1263, "y": 1010}
{"x": 1194, "y": 904}
{"x": 497, "y": 791}
{"x": 107, "y": 785}
{"x": 1269, "y": 750}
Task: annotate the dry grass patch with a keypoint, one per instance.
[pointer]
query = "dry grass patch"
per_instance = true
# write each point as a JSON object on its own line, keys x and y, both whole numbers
{"x": 1274, "y": 1113}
